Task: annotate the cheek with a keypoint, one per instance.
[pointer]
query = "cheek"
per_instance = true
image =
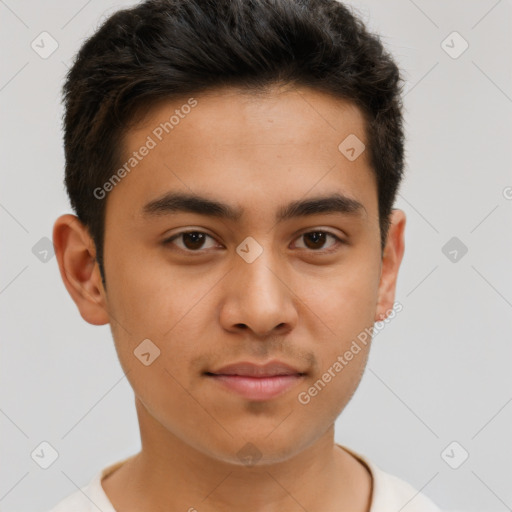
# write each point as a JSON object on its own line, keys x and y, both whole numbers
{"x": 343, "y": 312}
{"x": 343, "y": 302}
{"x": 149, "y": 296}
{"x": 158, "y": 367}
{"x": 156, "y": 302}
{"x": 326, "y": 393}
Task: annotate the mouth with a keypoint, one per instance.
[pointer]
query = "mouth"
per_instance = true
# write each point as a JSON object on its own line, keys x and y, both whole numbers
{"x": 257, "y": 382}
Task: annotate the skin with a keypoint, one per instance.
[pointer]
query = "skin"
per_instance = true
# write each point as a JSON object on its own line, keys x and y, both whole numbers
{"x": 209, "y": 308}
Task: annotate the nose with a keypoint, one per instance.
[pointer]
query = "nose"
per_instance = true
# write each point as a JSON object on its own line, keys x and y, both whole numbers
{"x": 259, "y": 297}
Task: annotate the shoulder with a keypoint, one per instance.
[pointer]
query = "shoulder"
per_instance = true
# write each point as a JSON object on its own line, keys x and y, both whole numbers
{"x": 91, "y": 497}
{"x": 392, "y": 493}
{"x": 76, "y": 502}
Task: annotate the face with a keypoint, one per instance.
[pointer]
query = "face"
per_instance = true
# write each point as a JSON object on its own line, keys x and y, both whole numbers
{"x": 244, "y": 235}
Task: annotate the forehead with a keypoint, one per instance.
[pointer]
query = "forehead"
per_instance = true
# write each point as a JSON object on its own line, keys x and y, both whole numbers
{"x": 246, "y": 148}
{"x": 296, "y": 110}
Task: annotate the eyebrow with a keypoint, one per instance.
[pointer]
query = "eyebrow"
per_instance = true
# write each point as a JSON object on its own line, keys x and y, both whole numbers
{"x": 175, "y": 202}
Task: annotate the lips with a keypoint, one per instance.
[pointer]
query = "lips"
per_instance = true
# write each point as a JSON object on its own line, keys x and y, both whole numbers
{"x": 257, "y": 382}
{"x": 247, "y": 369}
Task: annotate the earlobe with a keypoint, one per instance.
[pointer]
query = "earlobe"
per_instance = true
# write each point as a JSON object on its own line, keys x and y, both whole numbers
{"x": 391, "y": 260}
{"x": 75, "y": 253}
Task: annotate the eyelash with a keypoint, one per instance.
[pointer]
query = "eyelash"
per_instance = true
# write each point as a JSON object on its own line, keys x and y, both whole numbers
{"x": 338, "y": 240}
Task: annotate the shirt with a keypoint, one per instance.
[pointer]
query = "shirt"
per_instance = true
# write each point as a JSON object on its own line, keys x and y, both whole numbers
{"x": 389, "y": 493}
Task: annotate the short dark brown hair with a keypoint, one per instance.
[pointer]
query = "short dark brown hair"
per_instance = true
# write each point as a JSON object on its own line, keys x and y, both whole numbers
{"x": 171, "y": 49}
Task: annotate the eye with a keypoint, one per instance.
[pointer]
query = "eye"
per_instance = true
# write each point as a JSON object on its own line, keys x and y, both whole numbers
{"x": 315, "y": 240}
{"x": 192, "y": 241}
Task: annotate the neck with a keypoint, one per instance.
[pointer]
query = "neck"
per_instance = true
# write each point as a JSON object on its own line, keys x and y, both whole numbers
{"x": 169, "y": 474}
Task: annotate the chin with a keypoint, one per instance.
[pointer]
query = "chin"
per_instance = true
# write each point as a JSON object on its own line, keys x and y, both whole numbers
{"x": 257, "y": 450}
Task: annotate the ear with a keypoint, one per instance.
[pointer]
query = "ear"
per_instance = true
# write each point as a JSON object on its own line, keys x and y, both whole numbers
{"x": 391, "y": 259}
{"x": 76, "y": 256}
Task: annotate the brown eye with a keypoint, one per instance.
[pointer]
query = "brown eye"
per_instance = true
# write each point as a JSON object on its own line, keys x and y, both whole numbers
{"x": 192, "y": 241}
{"x": 315, "y": 240}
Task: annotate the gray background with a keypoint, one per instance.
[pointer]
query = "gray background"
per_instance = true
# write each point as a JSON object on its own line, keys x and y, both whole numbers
{"x": 438, "y": 373}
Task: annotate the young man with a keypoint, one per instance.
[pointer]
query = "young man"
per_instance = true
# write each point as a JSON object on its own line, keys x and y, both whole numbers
{"x": 233, "y": 167}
